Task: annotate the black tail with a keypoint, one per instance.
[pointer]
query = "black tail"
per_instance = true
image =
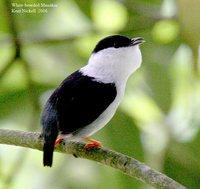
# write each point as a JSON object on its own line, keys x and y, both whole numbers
{"x": 49, "y": 131}
{"x": 50, "y": 136}
{"x": 48, "y": 149}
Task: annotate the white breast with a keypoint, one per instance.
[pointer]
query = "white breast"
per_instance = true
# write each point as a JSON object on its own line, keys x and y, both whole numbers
{"x": 112, "y": 65}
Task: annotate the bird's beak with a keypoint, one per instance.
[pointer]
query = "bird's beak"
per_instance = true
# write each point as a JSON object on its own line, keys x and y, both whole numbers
{"x": 137, "y": 41}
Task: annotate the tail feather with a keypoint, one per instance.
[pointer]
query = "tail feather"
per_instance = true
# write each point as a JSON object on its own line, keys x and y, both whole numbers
{"x": 48, "y": 149}
{"x": 50, "y": 135}
{"x": 49, "y": 131}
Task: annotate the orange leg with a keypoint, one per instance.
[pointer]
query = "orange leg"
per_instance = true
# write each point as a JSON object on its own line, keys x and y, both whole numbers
{"x": 93, "y": 143}
{"x": 58, "y": 141}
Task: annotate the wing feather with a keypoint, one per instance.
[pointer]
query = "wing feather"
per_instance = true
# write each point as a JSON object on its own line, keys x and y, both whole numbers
{"x": 80, "y": 100}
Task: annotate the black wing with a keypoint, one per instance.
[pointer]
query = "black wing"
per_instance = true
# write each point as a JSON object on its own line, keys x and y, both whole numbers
{"x": 79, "y": 100}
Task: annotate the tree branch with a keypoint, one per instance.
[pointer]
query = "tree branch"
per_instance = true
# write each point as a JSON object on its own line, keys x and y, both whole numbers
{"x": 126, "y": 164}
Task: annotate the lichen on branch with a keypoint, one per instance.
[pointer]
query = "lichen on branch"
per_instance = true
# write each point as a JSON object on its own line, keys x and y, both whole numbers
{"x": 126, "y": 164}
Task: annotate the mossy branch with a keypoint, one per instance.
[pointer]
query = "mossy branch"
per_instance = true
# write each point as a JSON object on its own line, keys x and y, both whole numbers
{"x": 126, "y": 164}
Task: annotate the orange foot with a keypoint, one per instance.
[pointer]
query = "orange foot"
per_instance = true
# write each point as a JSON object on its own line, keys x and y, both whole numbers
{"x": 93, "y": 143}
{"x": 58, "y": 141}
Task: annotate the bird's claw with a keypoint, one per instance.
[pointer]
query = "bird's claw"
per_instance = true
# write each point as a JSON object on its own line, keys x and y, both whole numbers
{"x": 58, "y": 141}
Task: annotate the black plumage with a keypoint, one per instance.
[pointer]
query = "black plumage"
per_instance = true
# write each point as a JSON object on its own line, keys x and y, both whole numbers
{"x": 77, "y": 102}
{"x": 115, "y": 41}
{"x": 76, "y": 105}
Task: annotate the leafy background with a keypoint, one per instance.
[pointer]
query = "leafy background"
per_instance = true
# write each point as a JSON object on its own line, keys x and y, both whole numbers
{"x": 158, "y": 121}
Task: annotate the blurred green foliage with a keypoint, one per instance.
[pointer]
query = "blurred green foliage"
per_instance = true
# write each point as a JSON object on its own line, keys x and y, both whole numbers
{"x": 158, "y": 121}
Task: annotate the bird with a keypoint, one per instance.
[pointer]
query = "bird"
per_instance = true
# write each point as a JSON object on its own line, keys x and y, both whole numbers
{"x": 87, "y": 99}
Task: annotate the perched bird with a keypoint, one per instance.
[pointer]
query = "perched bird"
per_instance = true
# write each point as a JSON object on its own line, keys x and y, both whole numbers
{"x": 87, "y": 99}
